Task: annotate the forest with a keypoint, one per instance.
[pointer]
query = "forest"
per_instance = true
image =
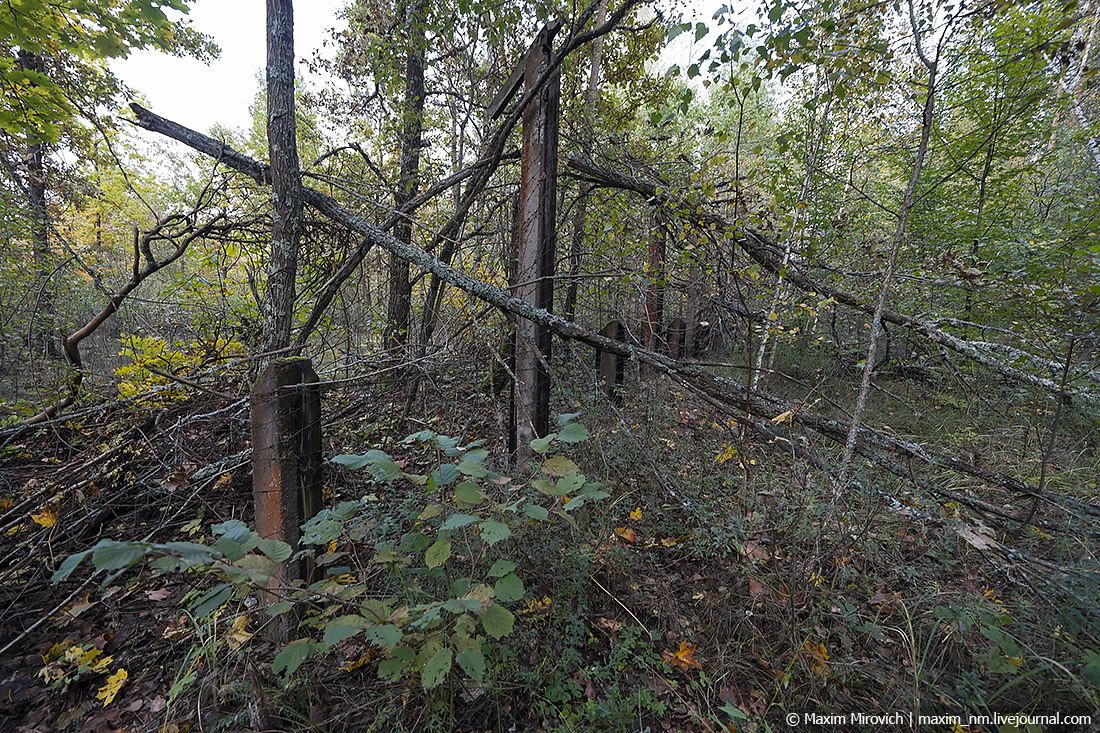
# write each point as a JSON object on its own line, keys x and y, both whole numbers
{"x": 615, "y": 366}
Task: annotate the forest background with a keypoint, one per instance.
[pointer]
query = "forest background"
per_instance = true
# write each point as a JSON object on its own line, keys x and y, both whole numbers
{"x": 849, "y": 463}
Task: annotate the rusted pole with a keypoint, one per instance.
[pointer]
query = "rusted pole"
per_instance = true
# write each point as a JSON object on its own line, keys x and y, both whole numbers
{"x": 286, "y": 460}
{"x": 535, "y": 257}
{"x": 612, "y": 367}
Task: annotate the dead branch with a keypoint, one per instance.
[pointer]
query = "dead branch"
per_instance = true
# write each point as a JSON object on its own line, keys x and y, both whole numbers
{"x": 766, "y": 254}
{"x": 729, "y": 391}
{"x": 180, "y": 229}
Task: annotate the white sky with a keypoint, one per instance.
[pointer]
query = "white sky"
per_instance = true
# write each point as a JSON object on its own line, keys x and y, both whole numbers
{"x": 199, "y": 95}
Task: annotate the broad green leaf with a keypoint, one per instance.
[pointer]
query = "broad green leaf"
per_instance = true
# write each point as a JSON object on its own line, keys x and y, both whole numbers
{"x": 386, "y": 635}
{"x": 432, "y": 510}
{"x": 472, "y": 663}
{"x": 191, "y": 553}
{"x": 445, "y": 474}
{"x": 501, "y": 568}
{"x": 539, "y": 445}
{"x": 570, "y": 483}
{"x": 559, "y": 466}
{"x": 277, "y": 609}
{"x": 259, "y": 568}
{"x": 497, "y": 621}
{"x": 112, "y": 555}
{"x": 468, "y": 492}
{"x": 342, "y": 627}
{"x": 391, "y": 669}
{"x": 536, "y": 512}
{"x": 567, "y": 418}
{"x": 574, "y": 432}
{"x": 493, "y": 531}
{"x": 277, "y": 550}
{"x": 456, "y": 521}
{"x": 290, "y": 658}
{"x": 438, "y": 553}
{"x": 435, "y": 671}
{"x": 211, "y": 600}
{"x": 234, "y": 529}
{"x": 509, "y": 588}
{"x": 68, "y": 565}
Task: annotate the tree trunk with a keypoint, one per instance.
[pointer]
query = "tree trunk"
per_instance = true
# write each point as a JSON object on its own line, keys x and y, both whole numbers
{"x": 400, "y": 301}
{"x": 282, "y": 264}
{"x": 42, "y": 332}
{"x": 580, "y": 215}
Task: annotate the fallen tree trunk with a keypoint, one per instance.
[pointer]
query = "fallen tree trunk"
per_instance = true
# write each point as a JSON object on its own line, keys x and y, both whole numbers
{"x": 766, "y": 255}
{"x": 728, "y": 391}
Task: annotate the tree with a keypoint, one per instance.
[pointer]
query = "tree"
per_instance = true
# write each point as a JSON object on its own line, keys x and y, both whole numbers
{"x": 282, "y": 267}
{"x": 408, "y": 179}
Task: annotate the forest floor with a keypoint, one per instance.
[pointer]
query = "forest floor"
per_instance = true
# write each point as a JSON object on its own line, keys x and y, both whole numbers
{"x": 721, "y": 585}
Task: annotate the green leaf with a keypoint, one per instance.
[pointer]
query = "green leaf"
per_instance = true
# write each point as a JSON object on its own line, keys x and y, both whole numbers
{"x": 569, "y": 483}
{"x": 435, "y": 671}
{"x": 559, "y": 466}
{"x": 290, "y": 658}
{"x": 567, "y": 418}
{"x": 438, "y": 553}
{"x": 390, "y": 669}
{"x": 456, "y": 521}
{"x": 509, "y": 588}
{"x": 501, "y": 568}
{"x": 493, "y": 531}
{"x": 472, "y": 663}
{"x": 68, "y": 565}
{"x": 259, "y": 568}
{"x": 113, "y": 555}
{"x": 445, "y": 474}
{"x": 211, "y": 600}
{"x": 497, "y": 621}
{"x": 379, "y": 465}
{"x": 468, "y": 492}
{"x": 573, "y": 433}
{"x": 190, "y": 553}
{"x": 342, "y": 627}
{"x": 539, "y": 445}
{"x": 536, "y": 512}
{"x": 277, "y": 609}
{"x": 385, "y": 635}
{"x": 233, "y": 529}
{"x": 432, "y": 510}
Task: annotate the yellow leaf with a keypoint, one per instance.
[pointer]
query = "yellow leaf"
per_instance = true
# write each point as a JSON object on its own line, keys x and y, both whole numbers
{"x": 109, "y": 691}
{"x": 626, "y": 533}
{"x": 727, "y": 453}
{"x": 636, "y": 515}
{"x": 47, "y": 517}
{"x": 783, "y": 417}
{"x": 237, "y": 635}
{"x": 684, "y": 658}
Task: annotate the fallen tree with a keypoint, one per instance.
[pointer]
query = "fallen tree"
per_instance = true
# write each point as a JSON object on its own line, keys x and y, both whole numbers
{"x": 767, "y": 255}
{"x": 872, "y": 444}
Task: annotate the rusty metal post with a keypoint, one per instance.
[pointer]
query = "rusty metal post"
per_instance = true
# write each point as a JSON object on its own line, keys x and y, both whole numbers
{"x": 286, "y": 457}
{"x": 612, "y": 367}
{"x": 535, "y": 257}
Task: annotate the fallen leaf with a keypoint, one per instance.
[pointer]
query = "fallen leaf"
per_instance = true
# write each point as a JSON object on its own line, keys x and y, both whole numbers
{"x": 684, "y": 657}
{"x": 109, "y": 691}
{"x": 47, "y": 517}
{"x": 609, "y": 624}
{"x": 237, "y": 635}
{"x": 783, "y": 417}
{"x": 627, "y": 534}
{"x": 636, "y": 515}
